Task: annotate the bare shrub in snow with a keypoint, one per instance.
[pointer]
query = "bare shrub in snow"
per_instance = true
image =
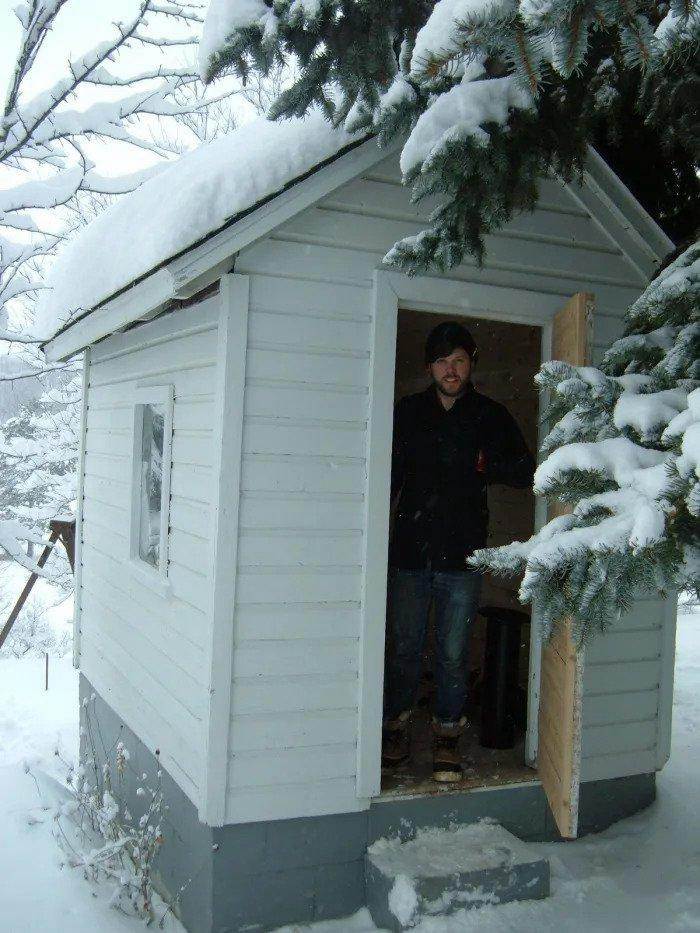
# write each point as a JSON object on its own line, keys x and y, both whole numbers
{"x": 32, "y": 635}
{"x": 96, "y": 830}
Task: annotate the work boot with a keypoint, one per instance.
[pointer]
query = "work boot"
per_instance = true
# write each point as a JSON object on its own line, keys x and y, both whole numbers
{"x": 396, "y": 740}
{"x": 447, "y": 761}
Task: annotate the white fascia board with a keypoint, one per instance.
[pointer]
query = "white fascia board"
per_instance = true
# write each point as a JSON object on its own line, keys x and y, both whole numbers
{"x": 191, "y": 270}
{"x": 205, "y": 263}
{"x": 611, "y": 202}
{"x": 138, "y": 302}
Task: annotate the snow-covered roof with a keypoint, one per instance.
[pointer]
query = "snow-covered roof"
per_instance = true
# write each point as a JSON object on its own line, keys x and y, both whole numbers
{"x": 215, "y": 188}
{"x": 187, "y": 201}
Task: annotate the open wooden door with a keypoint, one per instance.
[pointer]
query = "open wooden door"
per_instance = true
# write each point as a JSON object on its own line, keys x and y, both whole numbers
{"x": 561, "y": 677}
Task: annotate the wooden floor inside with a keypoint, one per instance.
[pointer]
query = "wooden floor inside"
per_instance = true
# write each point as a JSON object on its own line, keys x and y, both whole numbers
{"x": 483, "y": 767}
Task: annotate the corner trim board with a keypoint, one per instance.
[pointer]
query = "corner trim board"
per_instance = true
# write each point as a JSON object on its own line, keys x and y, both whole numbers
{"x": 666, "y": 681}
{"x": 78, "y": 557}
{"x": 233, "y": 337}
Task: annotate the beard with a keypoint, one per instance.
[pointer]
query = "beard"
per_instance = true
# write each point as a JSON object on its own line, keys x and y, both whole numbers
{"x": 452, "y": 389}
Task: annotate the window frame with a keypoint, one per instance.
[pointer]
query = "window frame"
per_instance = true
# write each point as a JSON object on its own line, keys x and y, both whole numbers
{"x": 163, "y": 395}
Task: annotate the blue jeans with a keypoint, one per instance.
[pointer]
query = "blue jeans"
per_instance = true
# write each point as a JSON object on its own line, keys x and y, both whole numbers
{"x": 456, "y": 600}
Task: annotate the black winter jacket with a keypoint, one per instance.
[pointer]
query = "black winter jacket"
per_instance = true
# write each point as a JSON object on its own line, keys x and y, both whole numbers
{"x": 442, "y": 462}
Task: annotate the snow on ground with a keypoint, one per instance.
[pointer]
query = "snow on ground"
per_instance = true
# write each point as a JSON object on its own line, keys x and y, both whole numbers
{"x": 38, "y": 896}
{"x": 642, "y": 874}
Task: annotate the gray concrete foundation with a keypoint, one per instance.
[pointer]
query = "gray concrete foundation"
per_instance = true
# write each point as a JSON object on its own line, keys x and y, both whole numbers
{"x": 258, "y": 876}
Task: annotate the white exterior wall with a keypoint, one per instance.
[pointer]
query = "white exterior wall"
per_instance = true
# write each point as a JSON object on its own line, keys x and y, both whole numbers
{"x": 147, "y": 653}
{"x": 294, "y": 725}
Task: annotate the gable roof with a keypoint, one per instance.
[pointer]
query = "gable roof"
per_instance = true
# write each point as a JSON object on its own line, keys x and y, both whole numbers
{"x": 177, "y": 232}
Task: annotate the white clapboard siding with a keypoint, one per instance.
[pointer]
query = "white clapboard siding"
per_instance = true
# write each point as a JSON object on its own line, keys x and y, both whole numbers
{"x": 299, "y": 575}
{"x": 297, "y": 616}
{"x": 624, "y": 685}
{"x": 144, "y": 651}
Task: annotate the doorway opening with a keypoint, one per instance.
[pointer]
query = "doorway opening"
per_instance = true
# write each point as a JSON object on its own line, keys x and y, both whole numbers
{"x": 509, "y": 358}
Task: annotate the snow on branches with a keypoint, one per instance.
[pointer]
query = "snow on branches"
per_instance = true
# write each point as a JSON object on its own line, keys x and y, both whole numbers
{"x": 491, "y": 94}
{"x": 624, "y": 451}
{"x": 43, "y": 136}
{"x": 38, "y": 469}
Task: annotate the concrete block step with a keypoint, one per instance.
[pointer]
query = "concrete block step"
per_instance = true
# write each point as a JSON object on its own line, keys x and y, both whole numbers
{"x": 442, "y": 870}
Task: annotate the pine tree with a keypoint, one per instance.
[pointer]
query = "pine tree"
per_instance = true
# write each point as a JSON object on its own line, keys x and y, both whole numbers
{"x": 624, "y": 451}
{"x": 491, "y": 94}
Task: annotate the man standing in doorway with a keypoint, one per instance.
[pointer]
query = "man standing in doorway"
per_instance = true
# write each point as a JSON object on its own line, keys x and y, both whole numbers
{"x": 449, "y": 443}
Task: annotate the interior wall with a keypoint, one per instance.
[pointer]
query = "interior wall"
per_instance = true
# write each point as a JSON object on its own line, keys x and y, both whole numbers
{"x": 509, "y": 358}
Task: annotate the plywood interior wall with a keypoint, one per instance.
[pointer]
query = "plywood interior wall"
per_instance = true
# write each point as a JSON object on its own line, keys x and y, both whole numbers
{"x": 509, "y": 357}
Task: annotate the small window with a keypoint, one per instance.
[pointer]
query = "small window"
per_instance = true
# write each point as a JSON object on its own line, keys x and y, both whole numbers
{"x": 150, "y": 499}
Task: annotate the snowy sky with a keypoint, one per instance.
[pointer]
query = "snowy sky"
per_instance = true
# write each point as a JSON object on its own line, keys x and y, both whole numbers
{"x": 80, "y": 25}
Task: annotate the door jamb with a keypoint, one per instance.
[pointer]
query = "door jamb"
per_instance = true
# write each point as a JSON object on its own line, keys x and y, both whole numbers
{"x": 392, "y": 290}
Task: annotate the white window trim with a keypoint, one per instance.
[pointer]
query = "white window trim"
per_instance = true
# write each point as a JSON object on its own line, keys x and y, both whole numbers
{"x": 155, "y": 578}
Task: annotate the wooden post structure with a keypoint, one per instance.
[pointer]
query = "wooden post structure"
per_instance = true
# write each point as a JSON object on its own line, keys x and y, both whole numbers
{"x": 63, "y": 530}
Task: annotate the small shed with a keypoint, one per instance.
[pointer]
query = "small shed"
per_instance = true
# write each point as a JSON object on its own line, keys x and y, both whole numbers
{"x": 240, "y": 337}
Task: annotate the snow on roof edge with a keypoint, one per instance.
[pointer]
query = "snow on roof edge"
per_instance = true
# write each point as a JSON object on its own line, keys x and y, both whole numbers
{"x": 182, "y": 206}
{"x": 346, "y": 142}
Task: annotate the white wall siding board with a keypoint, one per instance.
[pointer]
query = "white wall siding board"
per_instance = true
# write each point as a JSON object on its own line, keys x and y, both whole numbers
{"x": 315, "y": 547}
{"x": 306, "y": 798}
{"x": 295, "y": 656}
{"x": 282, "y": 362}
{"x": 618, "y": 764}
{"x": 628, "y": 687}
{"x": 290, "y": 436}
{"x": 273, "y": 767}
{"x": 303, "y": 472}
{"x": 265, "y": 620}
{"x": 303, "y": 582}
{"x": 621, "y": 677}
{"x": 635, "y": 706}
{"x": 618, "y": 737}
{"x": 295, "y": 729}
{"x": 640, "y": 644}
{"x": 145, "y": 651}
{"x": 261, "y": 694}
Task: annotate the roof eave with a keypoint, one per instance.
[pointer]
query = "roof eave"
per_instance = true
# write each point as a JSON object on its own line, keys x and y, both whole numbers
{"x": 638, "y": 235}
{"x": 204, "y": 262}
{"x": 641, "y": 239}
